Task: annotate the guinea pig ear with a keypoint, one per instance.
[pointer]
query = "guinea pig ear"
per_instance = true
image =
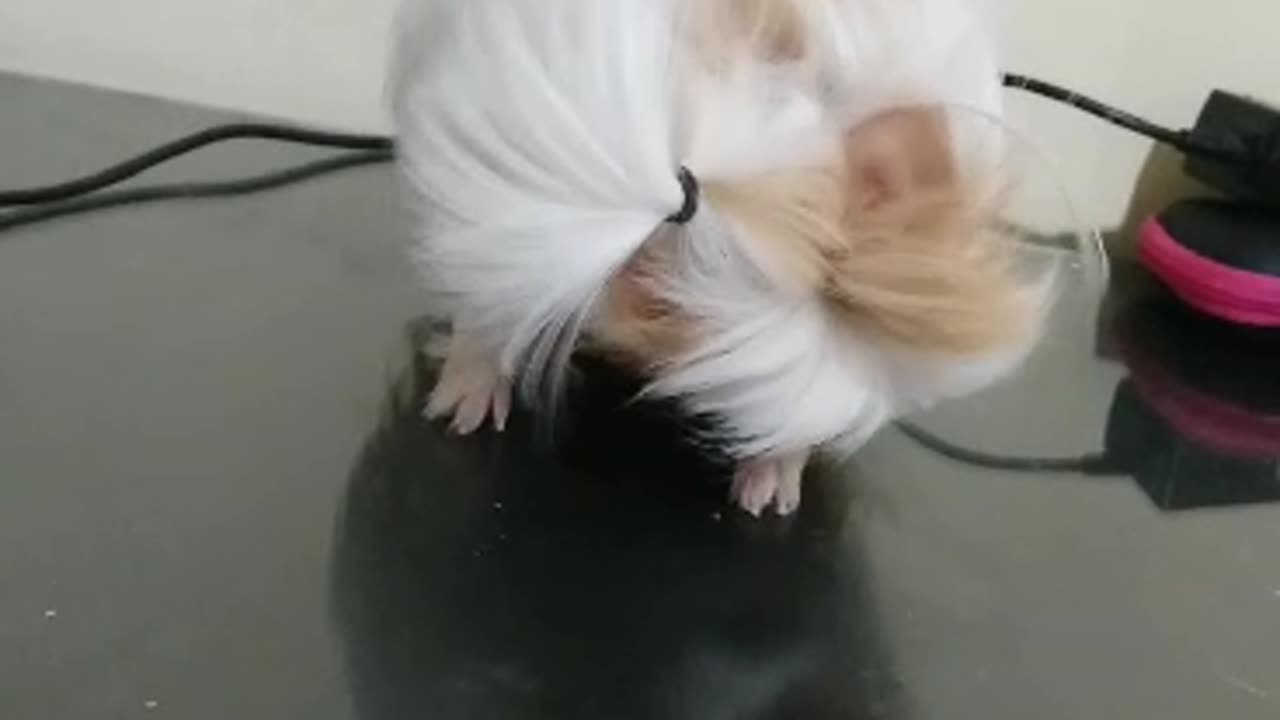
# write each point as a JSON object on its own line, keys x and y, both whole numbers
{"x": 898, "y": 154}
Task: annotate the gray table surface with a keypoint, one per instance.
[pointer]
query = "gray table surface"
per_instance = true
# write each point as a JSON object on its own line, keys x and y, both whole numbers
{"x": 213, "y": 505}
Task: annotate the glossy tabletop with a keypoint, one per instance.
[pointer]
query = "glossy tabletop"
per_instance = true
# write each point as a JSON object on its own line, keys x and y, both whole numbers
{"x": 218, "y": 498}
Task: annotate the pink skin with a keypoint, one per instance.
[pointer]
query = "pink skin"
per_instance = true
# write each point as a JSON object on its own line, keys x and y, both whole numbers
{"x": 772, "y": 482}
{"x": 471, "y": 390}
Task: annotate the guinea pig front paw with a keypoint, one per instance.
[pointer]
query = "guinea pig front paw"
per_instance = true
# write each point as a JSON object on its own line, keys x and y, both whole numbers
{"x": 774, "y": 482}
{"x": 470, "y": 391}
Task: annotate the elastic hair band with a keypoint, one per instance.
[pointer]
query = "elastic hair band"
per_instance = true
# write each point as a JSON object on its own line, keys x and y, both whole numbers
{"x": 689, "y": 184}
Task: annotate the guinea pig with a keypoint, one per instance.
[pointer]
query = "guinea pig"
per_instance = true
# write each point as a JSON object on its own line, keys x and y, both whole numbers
{"x": 779, "y": 213}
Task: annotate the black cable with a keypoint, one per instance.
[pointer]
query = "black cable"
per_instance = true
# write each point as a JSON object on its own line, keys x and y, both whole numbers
{"x": 76, "y": 197}
{"x": 130, "y": 168}
{"x": 137, "y": 196}
{"x": 1181, "y": 140}
{"x": 1097, "y": 464}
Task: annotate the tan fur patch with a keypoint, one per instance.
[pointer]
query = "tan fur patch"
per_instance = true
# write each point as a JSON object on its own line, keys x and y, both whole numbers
{"x": 886, "y": 232}
{"x": 891, "y": 237}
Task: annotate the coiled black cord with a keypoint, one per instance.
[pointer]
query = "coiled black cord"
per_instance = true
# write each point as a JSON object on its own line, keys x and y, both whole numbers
{"x": 232, "y": 188}
{"x": 79, "y": 196}
{"x": 89, "y": 194}
{"x": 135, "y": 166}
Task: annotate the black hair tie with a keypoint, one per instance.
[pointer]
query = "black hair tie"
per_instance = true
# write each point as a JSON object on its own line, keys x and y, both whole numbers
{"x": 692, "y": 191}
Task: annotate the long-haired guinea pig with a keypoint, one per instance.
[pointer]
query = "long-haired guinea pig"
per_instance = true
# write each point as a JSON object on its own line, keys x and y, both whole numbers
{"x": 778, "y": 212}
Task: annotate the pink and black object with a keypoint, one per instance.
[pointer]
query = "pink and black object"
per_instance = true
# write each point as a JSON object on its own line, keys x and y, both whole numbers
{"x": 1221, "y": 257}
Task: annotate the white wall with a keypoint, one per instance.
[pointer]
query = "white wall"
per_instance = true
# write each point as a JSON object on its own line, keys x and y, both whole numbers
{"x": 1158, "y": 58}
{"x": 321, "y": 61}
{"x": 315, "y": 60}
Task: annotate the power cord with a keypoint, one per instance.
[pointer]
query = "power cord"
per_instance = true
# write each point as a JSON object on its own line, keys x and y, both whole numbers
{"x": 133, "y": 167}
{"x": 1096, "y": 465}
{"x": 137, "y": 196}
{"x": 77, "y": 197}
{"x": 1182, "y": 140}
{"x": 90, "y": 194}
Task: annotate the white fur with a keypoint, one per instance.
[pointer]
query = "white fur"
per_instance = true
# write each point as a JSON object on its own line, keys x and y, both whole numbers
{"x": 538, "y": 133}
{"x": 542, "y": 140}
{"x": 769, "y": 364}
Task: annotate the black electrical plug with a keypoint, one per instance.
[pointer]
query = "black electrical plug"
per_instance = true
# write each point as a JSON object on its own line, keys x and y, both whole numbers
{"x": 1245, "y": 136}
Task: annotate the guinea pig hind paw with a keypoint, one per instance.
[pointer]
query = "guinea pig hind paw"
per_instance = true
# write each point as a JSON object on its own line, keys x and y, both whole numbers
{"x": 470, "y": 395}
{"x": 768, "y": 482}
